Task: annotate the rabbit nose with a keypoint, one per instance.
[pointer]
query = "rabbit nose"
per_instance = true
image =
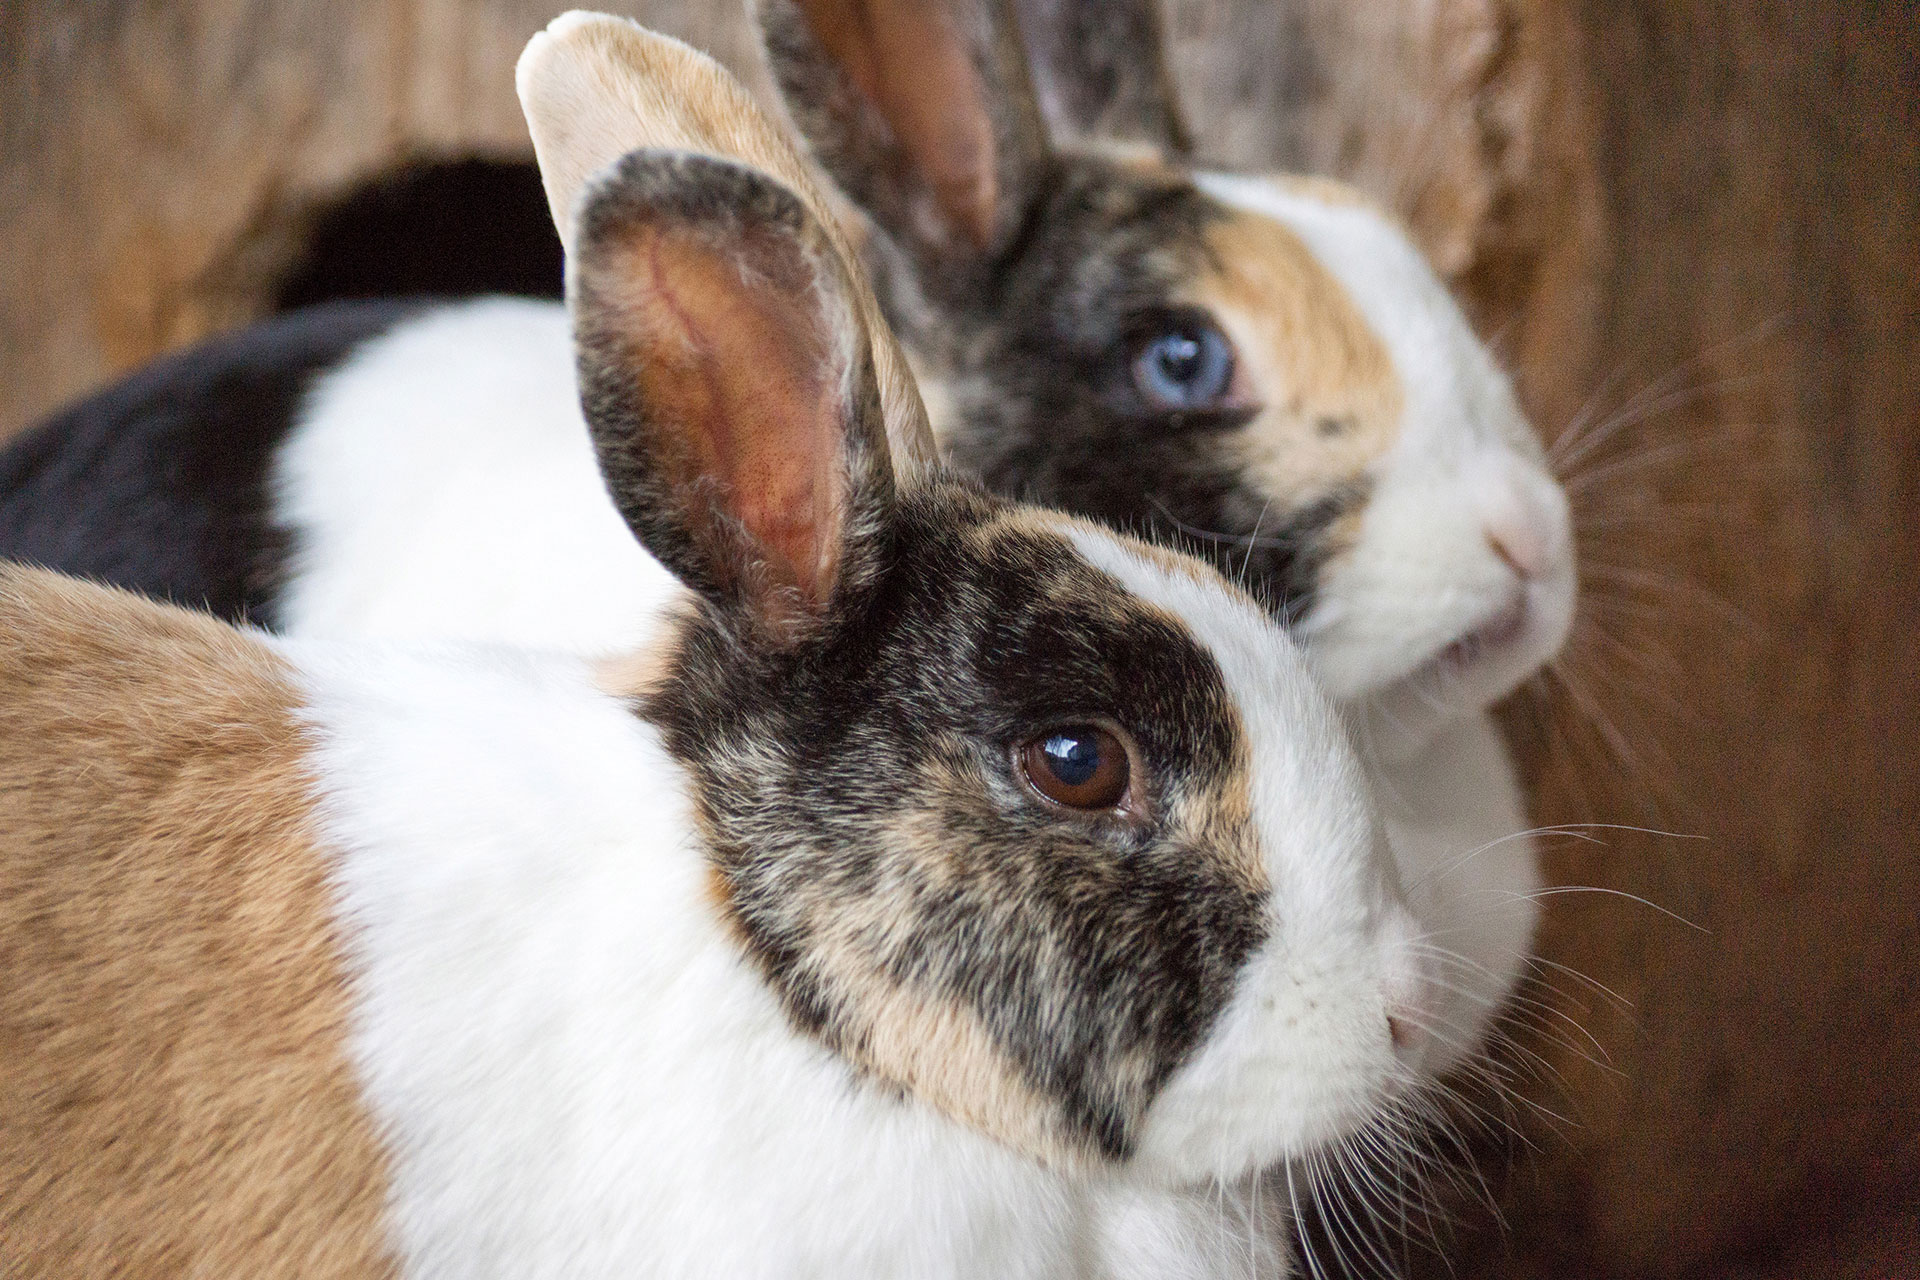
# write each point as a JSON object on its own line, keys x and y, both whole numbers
{"x": 1521, "y": 524}
{"x": 1520, "y": 530}
{"x": 1409, "y": 988}
{"x": 1518, "y": 548}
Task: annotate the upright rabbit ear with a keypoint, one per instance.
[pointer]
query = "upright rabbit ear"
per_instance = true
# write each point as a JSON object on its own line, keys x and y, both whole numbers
{"x": 922, "y": 111}
{"x": 729, "y": 386}
{"x": 1101, "y": 69}
{"x": 595, "y": 87}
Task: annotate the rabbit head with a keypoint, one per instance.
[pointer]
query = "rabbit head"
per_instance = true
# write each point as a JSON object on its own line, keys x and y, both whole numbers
{"x": 1263, "y": 365}
{"x": 1043, "y": 826}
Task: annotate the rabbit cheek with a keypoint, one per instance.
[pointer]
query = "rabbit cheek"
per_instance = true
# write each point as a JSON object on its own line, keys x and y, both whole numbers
{"x": 1330, "y": 402}
{"x": 1034, "y": 974}
{"x": 1004, "y": 964}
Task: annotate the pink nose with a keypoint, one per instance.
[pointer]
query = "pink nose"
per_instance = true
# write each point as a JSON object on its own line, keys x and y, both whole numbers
{"x": 1520, "y": 546}
{"x": 1406, "y": 1036}
{"x": 1515, "y": 553}
{"x": 1520, "y": 525}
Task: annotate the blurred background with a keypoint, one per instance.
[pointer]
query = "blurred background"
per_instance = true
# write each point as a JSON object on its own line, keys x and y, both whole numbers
{"x": 1689, "y": 228}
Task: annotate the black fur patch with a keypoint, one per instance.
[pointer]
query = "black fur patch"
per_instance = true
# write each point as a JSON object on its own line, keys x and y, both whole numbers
{"x": 1034, "y": 352}
{"x": 1095, "y": 952}
{"x": 159, "y": 484}
{"x": 447, "y": 229}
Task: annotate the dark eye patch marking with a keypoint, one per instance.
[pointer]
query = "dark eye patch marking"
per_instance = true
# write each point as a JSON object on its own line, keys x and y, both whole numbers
{"x": 900, "y": 890}
{"x": 1040, "y": 365}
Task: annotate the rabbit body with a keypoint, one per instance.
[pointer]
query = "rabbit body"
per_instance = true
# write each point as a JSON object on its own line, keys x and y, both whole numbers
{"x": 488, "y": 385}
{"x": 943, "y": 887}
{"x": 572, "y": 1066}
{"x": 577, "y": 1070}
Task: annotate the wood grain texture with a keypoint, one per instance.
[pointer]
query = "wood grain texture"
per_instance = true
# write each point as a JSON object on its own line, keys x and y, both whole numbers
{"x": 1689, "y": 227}
{"x": 160, "y": 162}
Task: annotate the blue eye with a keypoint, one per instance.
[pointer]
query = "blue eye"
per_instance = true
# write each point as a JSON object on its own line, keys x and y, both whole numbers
{"x": 1185, "y": 363}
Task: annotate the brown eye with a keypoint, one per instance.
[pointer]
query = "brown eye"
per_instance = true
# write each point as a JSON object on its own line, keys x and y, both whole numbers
{"x": 1081, "y": 767}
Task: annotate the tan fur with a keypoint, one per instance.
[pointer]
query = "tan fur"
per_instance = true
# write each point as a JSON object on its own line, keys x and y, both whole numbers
{"x": 938, "y": 1050}
{"x": 1330, "y": 395}
{"x": 636, "y": 675}
{"x": 1031, "y": 522}
{"x": 1329, "y": 191}
{"x": 1135, "y": 156}
{"x": 946, "y": 1057}
{"x": 174, "y": 1095}
{"x": 600, "y": 87}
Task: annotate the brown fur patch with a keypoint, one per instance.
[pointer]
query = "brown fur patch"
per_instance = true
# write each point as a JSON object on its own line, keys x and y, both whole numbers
{"x": 1330, "y": 395}
{"x": 939, "y": 1050}
{"x": 175, "y": 1099}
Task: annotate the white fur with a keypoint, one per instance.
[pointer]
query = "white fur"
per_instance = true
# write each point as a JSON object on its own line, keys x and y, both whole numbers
{"x": 580, "y": 1075}
{"x": 1465, "y": 466}
{"x": 444, "y": 486}
{"x": 1193, "y": 1235}
{"x": 1328, "y": 1061}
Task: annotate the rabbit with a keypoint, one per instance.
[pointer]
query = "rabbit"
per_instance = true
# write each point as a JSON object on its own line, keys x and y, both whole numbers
{"x": 1264, "y": 367}
{"x": 943, "y": 878}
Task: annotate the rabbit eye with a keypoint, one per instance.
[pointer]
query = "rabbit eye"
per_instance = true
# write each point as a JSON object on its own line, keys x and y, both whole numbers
{"x": 1183, "y": 362}
{"x": 1081, "y": 766}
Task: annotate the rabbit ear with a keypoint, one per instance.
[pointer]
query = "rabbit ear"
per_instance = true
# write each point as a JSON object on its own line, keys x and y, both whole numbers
{"x": 728, "y": 383}
{"x": 921, "y": 110}
{"x": 1101, "y": 70}
{"x": 595, "y": 87}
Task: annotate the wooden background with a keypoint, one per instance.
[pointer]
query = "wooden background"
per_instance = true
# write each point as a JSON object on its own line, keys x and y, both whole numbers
{"x": 1690, "y": 228}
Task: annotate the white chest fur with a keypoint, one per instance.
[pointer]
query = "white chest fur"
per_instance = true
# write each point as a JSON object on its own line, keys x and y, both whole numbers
{"x": 578, "y": 1072}
{"x": 444, "y": 486}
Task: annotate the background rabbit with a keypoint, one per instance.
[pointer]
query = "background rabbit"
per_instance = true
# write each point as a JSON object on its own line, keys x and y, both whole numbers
{"x": 1265, "y": 366}
{"x": 671, "y": 963}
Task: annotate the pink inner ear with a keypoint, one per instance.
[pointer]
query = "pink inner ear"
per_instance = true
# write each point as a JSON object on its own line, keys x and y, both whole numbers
{"x": 742, "y": 389}
{"x": 911, "y": 64}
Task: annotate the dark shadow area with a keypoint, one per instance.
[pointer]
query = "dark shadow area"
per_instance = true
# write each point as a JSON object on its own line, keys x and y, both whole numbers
{"x": 451, "y": 229}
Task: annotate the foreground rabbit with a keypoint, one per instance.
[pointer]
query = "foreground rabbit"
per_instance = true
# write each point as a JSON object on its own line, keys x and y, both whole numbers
{"x": 947, "y": 874}
{"x": 1265, "y": 364}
